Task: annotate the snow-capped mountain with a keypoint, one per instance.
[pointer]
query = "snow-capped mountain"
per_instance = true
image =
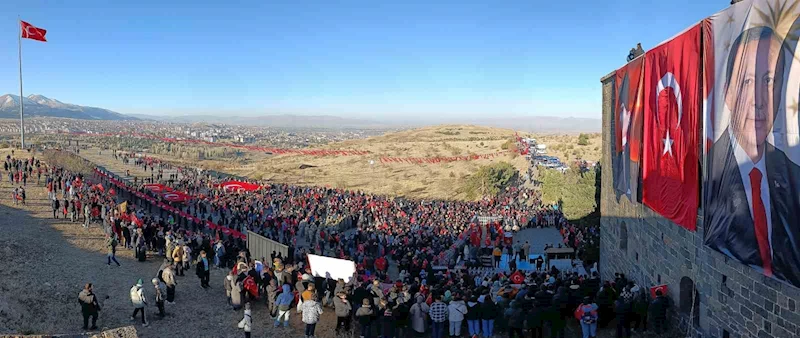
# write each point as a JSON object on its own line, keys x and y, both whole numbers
{"x": 39, "y": 105}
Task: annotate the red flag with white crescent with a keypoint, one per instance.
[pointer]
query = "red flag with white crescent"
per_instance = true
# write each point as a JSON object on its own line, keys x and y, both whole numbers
{"x": 670, "y": 175}
{"x": 32, "y": 32}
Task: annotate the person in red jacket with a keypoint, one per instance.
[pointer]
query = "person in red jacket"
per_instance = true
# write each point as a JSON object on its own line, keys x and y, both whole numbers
{"x": 586, "y": 314}
{"x": 381, "y": 264}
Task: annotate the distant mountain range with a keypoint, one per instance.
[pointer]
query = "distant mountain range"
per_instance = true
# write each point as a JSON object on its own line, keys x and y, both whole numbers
{"x": 38, "y": 106}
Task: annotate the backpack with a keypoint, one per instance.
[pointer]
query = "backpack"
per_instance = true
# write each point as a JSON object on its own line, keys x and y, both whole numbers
{"x": 587, "y": 317}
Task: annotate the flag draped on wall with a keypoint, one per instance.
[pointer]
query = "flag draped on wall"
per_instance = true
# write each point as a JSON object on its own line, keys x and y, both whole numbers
{"x": 670, "y": 175}
{"x": 628, "y": 128}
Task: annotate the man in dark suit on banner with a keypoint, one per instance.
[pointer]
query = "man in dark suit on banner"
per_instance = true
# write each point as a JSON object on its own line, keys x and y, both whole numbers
{"x": 752, "y": 207}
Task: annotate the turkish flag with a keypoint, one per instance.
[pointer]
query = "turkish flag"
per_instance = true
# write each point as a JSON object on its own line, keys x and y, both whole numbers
{"x": 628, "y": 128}
{"x": 517, "y": 277}
{"x": 670, "y": 176}
{"x": 32, "y": 32}
{"x": 136, "y": 221}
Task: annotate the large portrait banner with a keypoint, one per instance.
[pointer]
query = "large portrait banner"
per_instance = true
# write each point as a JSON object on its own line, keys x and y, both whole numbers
{"x": 752, "y": 178}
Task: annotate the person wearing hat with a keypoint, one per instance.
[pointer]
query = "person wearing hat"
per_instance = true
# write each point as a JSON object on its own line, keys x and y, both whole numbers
{"x": 160, "y": 291}
{"x": 139, "y": 301}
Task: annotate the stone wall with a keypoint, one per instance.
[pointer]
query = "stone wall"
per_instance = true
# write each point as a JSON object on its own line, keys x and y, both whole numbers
{"x": 732, "y": 298}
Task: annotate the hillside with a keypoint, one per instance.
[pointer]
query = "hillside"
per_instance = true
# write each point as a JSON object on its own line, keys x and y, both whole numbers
{"x": 397, "y": 163}
{"x": 368, "y": 173}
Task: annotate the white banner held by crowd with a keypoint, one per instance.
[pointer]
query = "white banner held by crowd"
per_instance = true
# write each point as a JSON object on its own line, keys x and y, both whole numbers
{"x": 322, "y": 266}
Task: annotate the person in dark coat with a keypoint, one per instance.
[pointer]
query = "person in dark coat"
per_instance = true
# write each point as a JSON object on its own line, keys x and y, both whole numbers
{"x": 605, "y": 303}
{"x": 489, "y": 310}
{"x": 516, "y": 319}
{"x": 622, "y": 308}
{"x": 542, "y": 301}
{"x": 56, "y": 205}
{"x": 640, "y": 306}
{"x": 560, "y": 310}
{"x": 658, "y": 312}
{"x": 592, "y": 286}
{"x": 387, "y": 318}
{"x": 473, "y": 316}
{"x": 89, "y": 307}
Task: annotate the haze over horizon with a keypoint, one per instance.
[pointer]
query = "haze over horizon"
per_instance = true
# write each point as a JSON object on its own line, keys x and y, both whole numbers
{"x": 401, "y": 61}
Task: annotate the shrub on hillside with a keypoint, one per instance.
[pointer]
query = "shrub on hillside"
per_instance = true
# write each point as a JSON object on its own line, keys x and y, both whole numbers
{"x": 575, "y": 192}
{"x": 583, "y": 140}
{"x": 489, "y": 180}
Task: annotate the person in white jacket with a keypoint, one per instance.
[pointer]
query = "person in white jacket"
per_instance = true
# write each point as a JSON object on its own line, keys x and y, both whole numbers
{"x": 311, "y": 312}
{"x": 455, "y": 312}
{"x": 139, "y": 301}
{"x": 246, "y": 323}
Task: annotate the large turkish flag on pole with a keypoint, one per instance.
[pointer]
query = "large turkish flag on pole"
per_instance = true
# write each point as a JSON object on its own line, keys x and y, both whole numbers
{"x": 670, "y": 176}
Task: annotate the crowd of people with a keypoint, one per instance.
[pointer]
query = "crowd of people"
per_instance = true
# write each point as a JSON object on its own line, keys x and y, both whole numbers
{"x": 431, "y": 295}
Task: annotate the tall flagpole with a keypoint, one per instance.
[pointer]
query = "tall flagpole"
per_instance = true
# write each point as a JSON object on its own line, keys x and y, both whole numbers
{"x": 21, "y": 104}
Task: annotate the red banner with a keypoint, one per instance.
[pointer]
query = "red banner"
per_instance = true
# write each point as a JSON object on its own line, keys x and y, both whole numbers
{"x": 670, "y": 175}
{"x": 238, "y": 186}
{"x": 157, "y": 188}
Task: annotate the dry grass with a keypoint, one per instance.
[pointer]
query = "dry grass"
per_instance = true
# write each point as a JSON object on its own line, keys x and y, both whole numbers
{"x": 566, "y": 148}
{"x": 441, "y": 181}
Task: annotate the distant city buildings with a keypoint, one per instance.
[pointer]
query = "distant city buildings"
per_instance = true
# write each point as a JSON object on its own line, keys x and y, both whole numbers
{"x": 215, "y": 133}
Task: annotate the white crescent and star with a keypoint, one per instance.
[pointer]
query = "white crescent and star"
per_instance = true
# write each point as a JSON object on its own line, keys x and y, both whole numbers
{"x": 667, "y": 145}
{"x": 171, "y": 196}
{"x": 28, "y": 33}
{"x": 669, "y": 81}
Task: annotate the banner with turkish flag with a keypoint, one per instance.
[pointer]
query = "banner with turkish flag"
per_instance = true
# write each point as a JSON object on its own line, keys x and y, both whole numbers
{"x": 663, "y": 288}
{"x": 176, "y": 196}
{"x": 157, "y": 187}
{"x": 135, "y": 220}
{"x": 237, "y": 186}
{"x": 628, "y": 128}
{"x": 517, "y": 277}
{"x": 670, "y": 175}
{"x": 32, "y": 32}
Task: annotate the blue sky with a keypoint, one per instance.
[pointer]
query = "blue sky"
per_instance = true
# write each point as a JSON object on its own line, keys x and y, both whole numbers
{"x": 367, "y": 59}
